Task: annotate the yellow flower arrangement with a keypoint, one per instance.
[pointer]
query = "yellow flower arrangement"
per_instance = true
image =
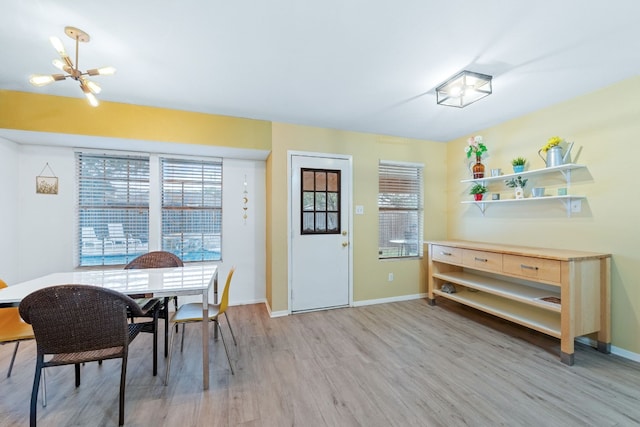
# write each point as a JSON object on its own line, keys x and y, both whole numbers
{"x": 552, "y": 142}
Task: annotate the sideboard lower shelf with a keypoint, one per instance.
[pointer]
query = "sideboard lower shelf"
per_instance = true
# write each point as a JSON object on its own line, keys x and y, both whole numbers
{"x": 561, "y": 293}
{"x": 547, "y": 322}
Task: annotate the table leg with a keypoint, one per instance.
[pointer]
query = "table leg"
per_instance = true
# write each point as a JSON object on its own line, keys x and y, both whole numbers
{"x": 205, "y": 340}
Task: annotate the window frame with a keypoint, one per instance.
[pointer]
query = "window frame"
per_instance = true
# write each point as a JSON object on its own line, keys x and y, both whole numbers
{"x": 412, "y": 229}
{"x": 95, "y": 207}
{"x": 182, "y": 239}
{"x": 153, "y": 207}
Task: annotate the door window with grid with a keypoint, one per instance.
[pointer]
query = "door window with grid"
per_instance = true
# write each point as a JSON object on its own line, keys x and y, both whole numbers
{"x": 400, "y": 210}
{"x": 113, "y": 208}
{"x": 320, "y": 200}
{"x": 192, "y": 209}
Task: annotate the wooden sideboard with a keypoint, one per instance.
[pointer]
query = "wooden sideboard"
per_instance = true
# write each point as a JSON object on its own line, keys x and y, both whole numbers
{"x": 562, "y": 293}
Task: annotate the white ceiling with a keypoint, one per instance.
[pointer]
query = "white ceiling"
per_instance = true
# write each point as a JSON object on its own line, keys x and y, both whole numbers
{"x": 361, "y": 65}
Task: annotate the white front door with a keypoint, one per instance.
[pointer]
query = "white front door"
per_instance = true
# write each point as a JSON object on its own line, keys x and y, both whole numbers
{"x": 320, "y": 232}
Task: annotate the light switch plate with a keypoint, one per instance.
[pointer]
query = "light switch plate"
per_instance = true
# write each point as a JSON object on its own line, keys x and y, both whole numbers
{"x": 359, "y": 210}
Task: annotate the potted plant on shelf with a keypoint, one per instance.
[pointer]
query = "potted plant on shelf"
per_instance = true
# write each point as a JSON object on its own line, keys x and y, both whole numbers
{"x": 518, "y": 164}
{"x": 518, "y": 185}
{"x": 475, "y": 147}
{"x": 478, "y": 190}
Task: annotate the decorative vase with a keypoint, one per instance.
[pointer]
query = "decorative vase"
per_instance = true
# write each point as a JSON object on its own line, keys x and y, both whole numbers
{"x": 519, "y": 191}
{"x": 477, "y": 197}
{"x": 478, "y": 168}
{"x": 518, "y": 168}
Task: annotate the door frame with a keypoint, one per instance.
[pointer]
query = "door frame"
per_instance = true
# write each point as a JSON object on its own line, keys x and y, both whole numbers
{"x": 349, "y": 158}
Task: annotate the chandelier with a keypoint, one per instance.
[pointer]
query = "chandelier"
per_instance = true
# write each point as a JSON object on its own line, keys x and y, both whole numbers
{"x": 65, "y": 64}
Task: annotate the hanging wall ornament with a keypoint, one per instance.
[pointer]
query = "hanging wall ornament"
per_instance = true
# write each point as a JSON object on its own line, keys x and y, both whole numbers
{"x": 47, "y": 184}
{"x": 245, "y": 201}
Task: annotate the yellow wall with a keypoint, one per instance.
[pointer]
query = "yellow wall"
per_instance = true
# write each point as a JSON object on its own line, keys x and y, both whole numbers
{"x": 45, "y": 113}
{"x": 369, "y": 274}
{"x": 604, "y": 126}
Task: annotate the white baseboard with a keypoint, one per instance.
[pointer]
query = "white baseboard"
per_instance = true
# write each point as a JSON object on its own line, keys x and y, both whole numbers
{"x": 386, "y": 300}
{"x": 273, "y": 314}
{"x": 614, "y": 350}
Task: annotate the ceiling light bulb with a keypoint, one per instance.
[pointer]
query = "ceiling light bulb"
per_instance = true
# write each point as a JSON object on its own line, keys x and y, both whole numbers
{"x": 58, "y": 64}
{"x": 58, "y": 46}
{"x": 65, "y": 65}
{"x": 92, "y": 99}
{"x": 41, "y": 79}
{"x": 93, "y": 86}
{"x": 104, "y": 71}
{"x": 455, "y": 91}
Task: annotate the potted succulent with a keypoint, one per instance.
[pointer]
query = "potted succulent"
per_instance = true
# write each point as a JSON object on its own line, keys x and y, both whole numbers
{"x": 518, "y": 185}
{"x": 518, "y": 164}
{"x": 478, "y": 190}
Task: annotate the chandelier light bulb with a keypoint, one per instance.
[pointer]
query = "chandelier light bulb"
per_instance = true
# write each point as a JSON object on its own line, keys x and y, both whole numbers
{"x": 93, "y": 86}
{"x": 104, "y": 71}
{"x": 93, "y": 101}
{"x": 41, "y": 79}
{"x": 58, "y": 46}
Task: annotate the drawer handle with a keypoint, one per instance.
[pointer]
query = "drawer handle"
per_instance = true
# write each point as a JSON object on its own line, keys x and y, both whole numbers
{"x": 481, "y": 259}
{"x": 445, "y": 253}
{"x": 528, "y": 267}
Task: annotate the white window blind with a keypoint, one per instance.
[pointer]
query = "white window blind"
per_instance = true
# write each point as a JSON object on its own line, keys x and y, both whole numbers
{"x": 400, "y": 210}
{"x": 192, "y": 209}
{"x": 113, "y": 208}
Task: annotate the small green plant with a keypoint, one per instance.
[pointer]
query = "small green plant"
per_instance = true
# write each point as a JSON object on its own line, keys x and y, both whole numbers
{"x": 478, "y": 189}
{"x": 516, "y": 182}
{"x": 519, "y": 161}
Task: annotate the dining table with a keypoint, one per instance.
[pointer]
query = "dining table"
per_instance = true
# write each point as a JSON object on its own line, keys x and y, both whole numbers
{"x": 142, "y": 283}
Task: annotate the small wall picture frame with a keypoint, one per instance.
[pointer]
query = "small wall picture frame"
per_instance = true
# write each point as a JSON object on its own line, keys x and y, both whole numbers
{"x": 47, "y": 184}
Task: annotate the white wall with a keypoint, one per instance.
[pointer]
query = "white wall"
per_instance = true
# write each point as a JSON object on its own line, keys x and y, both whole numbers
{"x": 43, "y": 227}
{"x": 9, "y": 155}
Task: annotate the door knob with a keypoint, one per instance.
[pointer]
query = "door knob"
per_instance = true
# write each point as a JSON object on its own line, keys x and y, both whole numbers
{"x": 345, "y": 244}
{"x": 344, "y": 233}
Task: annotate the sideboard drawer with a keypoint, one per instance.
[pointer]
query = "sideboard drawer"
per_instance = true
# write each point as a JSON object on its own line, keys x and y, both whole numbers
{"x": 446, "y": 254}
{"x": 534, "y": 268}
{"x": 482, "y": 260}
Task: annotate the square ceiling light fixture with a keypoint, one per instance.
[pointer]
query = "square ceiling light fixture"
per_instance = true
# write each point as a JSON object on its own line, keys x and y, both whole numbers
{"x": 463, "y": 89}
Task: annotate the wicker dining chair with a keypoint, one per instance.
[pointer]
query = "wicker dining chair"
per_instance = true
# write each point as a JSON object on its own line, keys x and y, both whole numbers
{"x": 158, "y": 259}
{"x": 13, "y": 329}
{"x": 75, "y": 324}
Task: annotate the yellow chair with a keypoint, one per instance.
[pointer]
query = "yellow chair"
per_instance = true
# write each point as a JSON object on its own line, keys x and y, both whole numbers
{"x": 13, "y": 329}
{"x": 192, "y": 313}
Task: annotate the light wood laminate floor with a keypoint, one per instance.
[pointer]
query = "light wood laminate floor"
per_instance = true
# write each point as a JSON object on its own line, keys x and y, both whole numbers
{"x": 397, "y": 364}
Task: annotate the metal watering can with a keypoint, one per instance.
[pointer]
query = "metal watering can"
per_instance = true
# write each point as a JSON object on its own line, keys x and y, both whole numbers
{"x": 555, "y": 157}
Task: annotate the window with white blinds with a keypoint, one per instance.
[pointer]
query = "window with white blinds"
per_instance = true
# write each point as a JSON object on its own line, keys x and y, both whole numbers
{"x": 192, "y": 209}
{"x": 400, "y": 210}
{"x": 113, "y": 208}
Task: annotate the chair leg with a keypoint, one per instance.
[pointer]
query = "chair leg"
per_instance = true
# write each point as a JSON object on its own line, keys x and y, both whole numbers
{"x": 181, "y": 342}
{"x": 175, "y": 304}
{"x": 44, "y": 388}
{"x": 225, "y": 346}
{"x": 13, "y": 358}
{"x": 229, "y": 323}
{"x": 34, "y": 392}
{"x": 123, "y": 381}
{"x": 166, "y": 374}
{"x": 77, "y": 365}
{"x": 155, "y": 342}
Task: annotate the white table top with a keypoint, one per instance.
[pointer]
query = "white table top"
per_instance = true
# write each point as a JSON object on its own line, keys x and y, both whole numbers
{"x": 151, "y": 282}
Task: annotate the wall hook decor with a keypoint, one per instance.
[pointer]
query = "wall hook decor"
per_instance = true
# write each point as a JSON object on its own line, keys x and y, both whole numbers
{"x": 245, "y": 201}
